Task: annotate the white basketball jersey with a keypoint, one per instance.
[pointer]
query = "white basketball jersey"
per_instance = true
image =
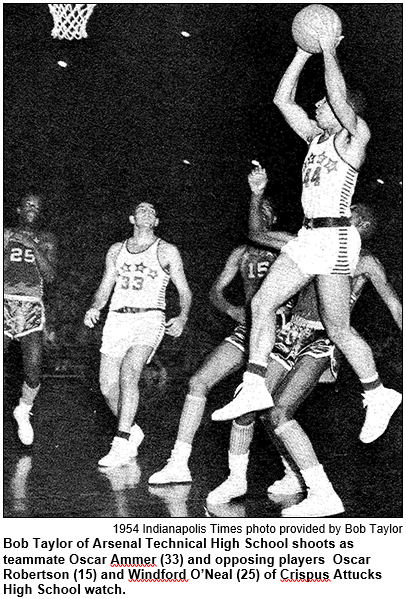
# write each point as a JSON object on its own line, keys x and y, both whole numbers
{"x": 328, "y": 181}
{"x": 141, "y": 281}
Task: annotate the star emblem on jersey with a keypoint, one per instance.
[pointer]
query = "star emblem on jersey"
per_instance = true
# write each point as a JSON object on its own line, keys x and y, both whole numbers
{"x": 322, "y": 157}
{"x": 310, "y": 159}
{"x": 139, "y": 267}
{"x": 126, "y": 267}
{"x": 153, "y": 274}
{"x": 331, "y": 165}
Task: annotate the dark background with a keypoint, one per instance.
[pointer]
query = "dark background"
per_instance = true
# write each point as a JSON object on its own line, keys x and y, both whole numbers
{"x": 137, "y": 98}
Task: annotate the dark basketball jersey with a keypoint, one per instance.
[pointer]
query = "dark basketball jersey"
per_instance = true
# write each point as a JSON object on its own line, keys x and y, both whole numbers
{"x": 21, "y": 273}
{"x": 254, "y": 266}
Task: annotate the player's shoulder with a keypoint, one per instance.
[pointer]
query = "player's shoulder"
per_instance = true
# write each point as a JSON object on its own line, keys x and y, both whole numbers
{"x": 115, "y": 248}
{"x": 360, "y": 136}
{"x": 46, "y": 237}
{"x": 362, "y": 128}
{"x": 239, "y": 252}
{"x": 167, "y": 249}
{"x": 7, "y": 233}
{"x": 313, "y": 133}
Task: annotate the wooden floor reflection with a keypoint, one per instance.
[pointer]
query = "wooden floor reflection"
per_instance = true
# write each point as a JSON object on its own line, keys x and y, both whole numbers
{"x": 58, "y": 476}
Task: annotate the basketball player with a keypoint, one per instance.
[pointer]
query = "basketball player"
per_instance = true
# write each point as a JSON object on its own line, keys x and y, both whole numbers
{"x": 29, "y": 262}
{"x": 139, "y": 269}
{"x": 301, "y": 355}
{"x": 252, "y": 263}
{"x": 326, "y": 248}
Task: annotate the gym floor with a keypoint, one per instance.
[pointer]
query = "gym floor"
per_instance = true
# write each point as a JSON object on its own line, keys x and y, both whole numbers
{"x": 58, "y": 476}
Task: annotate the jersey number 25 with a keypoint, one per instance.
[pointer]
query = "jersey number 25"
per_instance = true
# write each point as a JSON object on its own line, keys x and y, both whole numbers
{"x": 18, "y": 255}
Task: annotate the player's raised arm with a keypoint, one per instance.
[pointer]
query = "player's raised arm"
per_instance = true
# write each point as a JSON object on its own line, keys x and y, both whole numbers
{"x": 285, "y": 99}
{"x": 257, "y": 180}
{"x": 336, "y": 86}
{"x": 224, "y": 279}
{"x": 271, "y": 239}
{"x": 102, "y": 295}
{"x": 262, "y": 215}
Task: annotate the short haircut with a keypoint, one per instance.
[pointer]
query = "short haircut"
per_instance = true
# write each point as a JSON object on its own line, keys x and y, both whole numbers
{"x": 358, "y": 101}
{"x": 30, "y": 194}
{"x": 153, "y": 204}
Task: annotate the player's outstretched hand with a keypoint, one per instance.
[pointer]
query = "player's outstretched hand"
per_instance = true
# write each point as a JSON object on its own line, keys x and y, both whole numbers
{"x": 328, "y": 35}
{"x": 257, "y": 179}
{"x": 174, "y": 327}
{"x": 91, "y": 317}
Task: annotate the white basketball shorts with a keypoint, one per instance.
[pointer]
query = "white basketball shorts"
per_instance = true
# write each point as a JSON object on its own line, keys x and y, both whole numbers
{"x": 325, "y": 251}
{"x": 123, "y": 331}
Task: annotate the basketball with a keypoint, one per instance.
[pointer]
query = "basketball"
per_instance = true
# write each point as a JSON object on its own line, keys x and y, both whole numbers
{"x": 306, "y": 26}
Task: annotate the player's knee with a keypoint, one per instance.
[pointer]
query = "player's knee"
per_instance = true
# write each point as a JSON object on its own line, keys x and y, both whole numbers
{"x": 337, "y": 332}
{"x": 108, "y": 389}
{"x": 198, "y": 385}
{"x": 277, "y": 416}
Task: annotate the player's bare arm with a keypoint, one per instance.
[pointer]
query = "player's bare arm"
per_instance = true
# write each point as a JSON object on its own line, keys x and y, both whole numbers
{"x": 285, "y": 99}
{"x": 257, "y": 180}
{"x": 375, "y": 272}
{"x": 171, "y": 259}
{"x": 352, "y": 141}
{"x": 6, "y": 238}
{"x": 272, "y": 239}
{"x": 224, "y": 279}
{"x": 102, "y": 295}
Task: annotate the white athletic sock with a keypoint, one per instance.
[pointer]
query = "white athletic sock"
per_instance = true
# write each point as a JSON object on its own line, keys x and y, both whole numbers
{"x": 371, "y": 384}
{"x": 298, "y": 444}
{"x": 238, "y": 464}
{"x": 181, "y": 452}
{"x": 191, "y": 417}
{"x": 315, "y": 478}
{"x": 241, "y": 437}
{"x": 28, "y": 394}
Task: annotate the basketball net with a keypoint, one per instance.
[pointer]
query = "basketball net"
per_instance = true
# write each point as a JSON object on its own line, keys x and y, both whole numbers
{"x": 70, "y": 20}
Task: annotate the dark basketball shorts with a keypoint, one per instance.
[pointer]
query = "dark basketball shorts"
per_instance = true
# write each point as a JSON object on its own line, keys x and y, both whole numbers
{"x": 23, "y": 316}
{"x": 240, "y": 336}
{"x": 301, "y": 337}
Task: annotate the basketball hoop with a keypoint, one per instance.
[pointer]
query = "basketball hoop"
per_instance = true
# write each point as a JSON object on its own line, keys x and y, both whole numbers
{"x": 70, "y": 20}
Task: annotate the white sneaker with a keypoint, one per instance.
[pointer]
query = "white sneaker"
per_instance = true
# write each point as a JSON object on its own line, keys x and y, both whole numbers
{"x": 175, "y": 471}
{"x": 126, "y": 477}
{"x": 231, "y": 488}
{"x": 289, "y": 485}
{"x": 320, "y": 503}
{"x": 119, "y": 454}
{"x": 25, "y": 431}
{"x": 225, "y": 510}
{"x": 136, "y": 438}
{"x": 251, "y": 396}
{"x": 379, "y": 410}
